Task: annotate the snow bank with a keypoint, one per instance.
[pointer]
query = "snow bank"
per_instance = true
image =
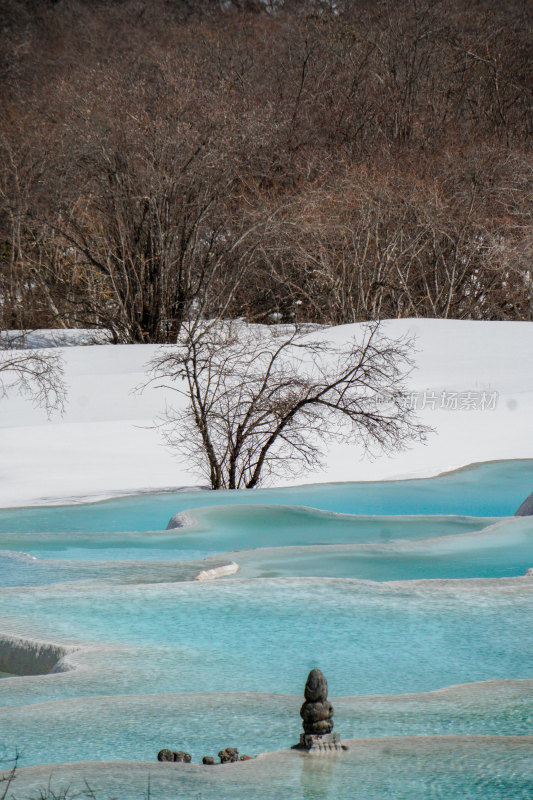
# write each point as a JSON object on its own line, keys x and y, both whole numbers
{"x": 218, "y": 572}
{"x": 106, "y": 444}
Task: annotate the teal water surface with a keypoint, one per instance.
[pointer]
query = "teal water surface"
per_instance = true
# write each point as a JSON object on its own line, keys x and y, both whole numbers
{"x": 486, "y": 490}
{"x": 451, "y": 768}
{"x": 462, "y": 548}
{"x": 264, "y": 635}
{"x": 201, "y": 723}
{"x": 164, "y": 660}
{"x": 501, "y": 550}
{"x": 219, "y": 529}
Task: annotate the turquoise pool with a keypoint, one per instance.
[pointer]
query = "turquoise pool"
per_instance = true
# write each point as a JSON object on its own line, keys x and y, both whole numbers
{"x": 407, "y": 594}
{"x": 230, "y": 528}
{"x": 428, "y": 768}
{"x": 264, "y": 635}
{"x": 493, "y": 489}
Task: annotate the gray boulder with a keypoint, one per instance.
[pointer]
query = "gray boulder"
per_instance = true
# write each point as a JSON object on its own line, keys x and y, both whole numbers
{"x": 165, "y": 755}
{"x": 526, "y": 509}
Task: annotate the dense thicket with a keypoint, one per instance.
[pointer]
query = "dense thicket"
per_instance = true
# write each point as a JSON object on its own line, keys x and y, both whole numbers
{"x": 319, "y": 161}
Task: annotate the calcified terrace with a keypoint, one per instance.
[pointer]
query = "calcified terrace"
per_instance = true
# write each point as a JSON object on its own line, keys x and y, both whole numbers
{"x": 201, "y": 636}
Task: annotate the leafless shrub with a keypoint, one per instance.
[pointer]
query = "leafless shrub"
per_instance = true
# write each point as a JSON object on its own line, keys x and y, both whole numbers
{"x": 36, "y": 374}
{"x": 261, "y": 401}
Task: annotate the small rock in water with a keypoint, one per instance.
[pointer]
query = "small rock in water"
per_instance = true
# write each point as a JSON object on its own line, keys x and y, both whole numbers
{"x": 529, "y": 572}
{"x": 228, "y": 755}
{"x": 165, "y": 755}
{"x": 208, "y": 760}
{"x": 182, "y": 757}
{"x": 526, "y": 509}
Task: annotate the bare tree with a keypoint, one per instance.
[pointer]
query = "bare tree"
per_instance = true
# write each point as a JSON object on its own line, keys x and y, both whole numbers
{"x": 312, "y": 160}
{"x": 35, "y": 373}
{"x": 261, "y": 400}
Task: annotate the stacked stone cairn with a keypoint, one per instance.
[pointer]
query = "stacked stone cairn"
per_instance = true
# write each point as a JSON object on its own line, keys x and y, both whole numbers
{"x": 317, "y": 713}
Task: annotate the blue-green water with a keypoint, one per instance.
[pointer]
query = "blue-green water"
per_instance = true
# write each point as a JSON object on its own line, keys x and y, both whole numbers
{"x": 493, "y": 489}
{"x": 427, "y": 768}
{"x": 501, "y": 550}
{"x": 460, "y": 548}
{"x": 166, "y": 661}
{"x": 201, "y": 723}
{"x": 264, "y": 635}
{"x": 222, "y": 529}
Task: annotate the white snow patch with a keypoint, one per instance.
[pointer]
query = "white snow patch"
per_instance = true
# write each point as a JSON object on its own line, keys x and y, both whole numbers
{"x": 106, "y": 444}
{"x": 217, "y": 572}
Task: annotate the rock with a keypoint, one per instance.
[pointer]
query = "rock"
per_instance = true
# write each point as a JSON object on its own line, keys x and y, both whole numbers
{"x": 165, "y": 755}
{"x": 529, "y": 573}
{"x": 326, "y": 743}
{"x": 316, "y": 687}
{"x": 208, "y": 760}
{"x": 316, "y": 712}
{"x": 319, "y": 728}
{"x": 526, "y": 509}
{"x": 182, "y": 757}
{"x": 229, "y": 755}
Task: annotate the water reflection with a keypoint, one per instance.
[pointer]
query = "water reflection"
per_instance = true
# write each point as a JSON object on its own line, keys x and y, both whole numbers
{"x": 317, "y": 775}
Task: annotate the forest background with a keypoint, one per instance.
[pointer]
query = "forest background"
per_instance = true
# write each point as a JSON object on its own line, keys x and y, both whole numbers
{"x": 287, "y": 161}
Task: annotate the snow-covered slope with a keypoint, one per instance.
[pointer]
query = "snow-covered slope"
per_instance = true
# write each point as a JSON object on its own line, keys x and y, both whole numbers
{"x": 104, "y": 444}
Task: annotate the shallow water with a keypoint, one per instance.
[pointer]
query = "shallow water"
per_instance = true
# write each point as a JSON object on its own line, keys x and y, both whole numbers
{"x": 501, "y": 550}
{"x": 265, "y": 635}
{"x": 165, "y": 661}
{"x": 16, "y": 570}
{"x": 203, "y": 723}
{"x": 492, "y": 489}
{"x": 379, "y": 550}
{"x": 217, "y": 530}
{"x": 412, "y": 769}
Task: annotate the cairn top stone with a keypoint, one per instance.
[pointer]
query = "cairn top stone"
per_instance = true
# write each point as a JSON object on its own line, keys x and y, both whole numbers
{"x": 316, "y": 688}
